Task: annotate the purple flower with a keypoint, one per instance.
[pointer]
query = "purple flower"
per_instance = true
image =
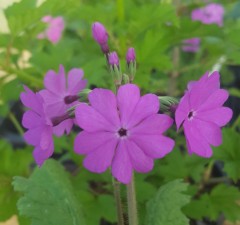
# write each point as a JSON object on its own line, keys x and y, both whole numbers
{"x": 61, "y": 94}
{"x": 39, "y": 126}
{"x": 113, "y": 59}
{"x": 123, "y": 132}
{"x": 131, "y": 56}
{"x": 201, "y": 114}
{"x": 99, "y": 33}
{"x": 210, "y": 14}
{"x": 191, "y": 45}
{"x": 55, "y": 28}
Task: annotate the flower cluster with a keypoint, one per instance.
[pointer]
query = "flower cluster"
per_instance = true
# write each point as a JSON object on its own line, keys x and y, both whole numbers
{"x": 123, "y": 131}
{"x": 210, "y": 14}
{"x": 39, "y": 126}
{"x": 48, "y": 112}
{"x": 54, "y": 30}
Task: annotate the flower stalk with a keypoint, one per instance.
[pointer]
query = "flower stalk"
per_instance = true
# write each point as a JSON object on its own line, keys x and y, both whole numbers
{"x": 117, "y": 196}
{"x": 132, "y": 203}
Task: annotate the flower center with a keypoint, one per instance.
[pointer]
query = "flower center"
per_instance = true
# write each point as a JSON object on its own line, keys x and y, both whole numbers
{"x": 190, "y": 115}
{"x": 122, "y": 132}
{"x": 70, "y": 99}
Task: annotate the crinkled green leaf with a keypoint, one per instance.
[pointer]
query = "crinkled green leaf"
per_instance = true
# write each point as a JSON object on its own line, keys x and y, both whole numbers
{"x": 165, "y": 207}
{"x": 178, "y": 165}
{"x": 48, "y": 197}
{"x": 222, "y": 199}
{"x": 229, "y": 153}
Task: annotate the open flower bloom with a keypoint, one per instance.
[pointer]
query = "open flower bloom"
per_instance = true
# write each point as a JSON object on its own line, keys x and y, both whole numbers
{"x": 123, "y": 132}
{"x": 210, "y": 14}
{"x": 60, "y": 94}
{"x": 39, "y": 126}
{"x": 54, "y": 30}
{"x": 201, "y": 114}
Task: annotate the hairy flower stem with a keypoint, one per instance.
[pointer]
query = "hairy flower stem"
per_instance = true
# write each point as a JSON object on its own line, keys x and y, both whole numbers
{"x": 117, "y": 196}
{"x": 16, "y": 123}
{"x": 132, "y": 203}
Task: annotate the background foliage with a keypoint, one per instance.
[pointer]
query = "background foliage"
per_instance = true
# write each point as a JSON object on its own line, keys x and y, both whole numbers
{"x": 181, "y": 188}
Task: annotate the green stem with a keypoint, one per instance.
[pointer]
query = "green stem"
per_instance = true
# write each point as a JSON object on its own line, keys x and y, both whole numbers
{"x": 132, "y": 203}
{"x": 16, "y": 123}
{"x": 117, "y": 196}
{"x": 22, "y": 75}
{"x": 208, "y": 171}
{"x": 236, "y": 123}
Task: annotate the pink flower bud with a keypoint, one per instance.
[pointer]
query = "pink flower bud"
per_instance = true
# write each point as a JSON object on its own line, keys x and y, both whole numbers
{"x": 99, "y": 33}
{"x": 130, "y": 57}
{"x": 113, "y": 59}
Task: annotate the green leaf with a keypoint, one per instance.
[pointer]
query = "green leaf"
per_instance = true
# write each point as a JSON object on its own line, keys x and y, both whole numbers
{"x": 229, "y": 153}
{"x": 13, "y": 162}
{"x": 189, "y": 166}
{"x": 222, "y": 199}
{"x": 48, "y": 197}
{"x": 165, "y": 207}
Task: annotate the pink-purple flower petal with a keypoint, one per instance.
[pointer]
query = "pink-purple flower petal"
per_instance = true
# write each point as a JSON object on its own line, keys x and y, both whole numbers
{"x": 75, "y": 81}
{"x": 197, "y": 96}
{"x": 196, "y": 143}
{"x": 86, "y": 142}
{"x": 31, "y": 119}
{"x": 56, "y": 83}
{"x": 208, "y": 130}
{"x": 155, "y": 146}
{"x": 154, "y": 124}
{"x": 33, "y": 136}
{"x": 104, "y": 101}
{"x": 147, "y": 105}
{"x": 85, "y": 115}
{"x": 101, "y": 158}
{"x": 121, "y": 164}
{"x": 215, "y": 100}
{"x": 127, "y": 98}
{"x": 140, "y": 161}
{"x": 41, "y": 155}
{"x": 32, "y": 100}
{"x": 220, "y": 116}
{"x": 64, "y": 126}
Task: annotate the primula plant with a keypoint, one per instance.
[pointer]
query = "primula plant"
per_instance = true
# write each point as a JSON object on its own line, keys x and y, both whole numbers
{"x": 119, "y": 123}
{"x": 122, "y": 131}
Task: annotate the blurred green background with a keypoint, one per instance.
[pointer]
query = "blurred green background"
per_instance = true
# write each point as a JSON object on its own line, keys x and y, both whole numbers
{"x": 156, "y": 29}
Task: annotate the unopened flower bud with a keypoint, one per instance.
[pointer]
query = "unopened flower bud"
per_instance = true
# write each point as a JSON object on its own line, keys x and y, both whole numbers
{"x": 114, "y": 67}
{"x": 99, "y": 33}
{"x": 168, "y": 104}
{"x": 59, "y": 119}
{"x": 113, "y": 59}
{"x": 83, "y": 95}
{"x": 125, "y": 78}
{"x": 131, "y": 56}
{"x": 105, "y": 48}
{"x": 131, "y": 63}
